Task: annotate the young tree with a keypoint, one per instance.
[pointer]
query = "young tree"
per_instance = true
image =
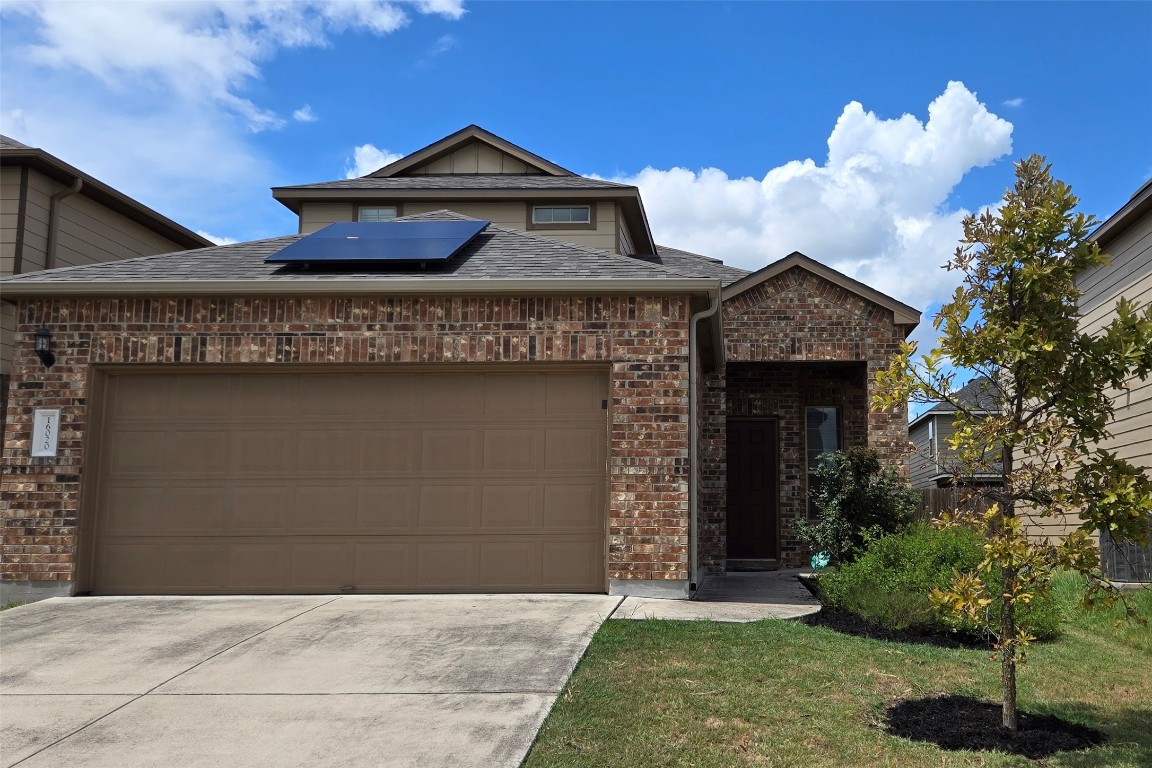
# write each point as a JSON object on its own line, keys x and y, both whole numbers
{"x": 1014, "y": 320}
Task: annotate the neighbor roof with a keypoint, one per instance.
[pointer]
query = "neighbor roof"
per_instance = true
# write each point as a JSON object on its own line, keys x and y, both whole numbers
{"x": 1139, "y": 205}
{"x": 12, "y": 152}
{"x": 497, "y": 260}
{"x": 979, "y": 394}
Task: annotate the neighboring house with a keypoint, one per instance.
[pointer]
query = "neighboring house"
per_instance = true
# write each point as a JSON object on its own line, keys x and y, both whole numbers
{"x": 1127, "y": 236}
{"x": 933, "y": 463}
{"x": 53, "y": 215}
{"x": 560, "y": 405}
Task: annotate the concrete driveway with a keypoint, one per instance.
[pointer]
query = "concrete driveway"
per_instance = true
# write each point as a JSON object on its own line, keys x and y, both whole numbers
{"x": 286, "y": 681}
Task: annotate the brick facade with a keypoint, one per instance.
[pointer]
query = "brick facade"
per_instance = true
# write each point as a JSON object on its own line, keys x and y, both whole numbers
{"x": 792, "y": 341}
{"x": 642, "y": 340}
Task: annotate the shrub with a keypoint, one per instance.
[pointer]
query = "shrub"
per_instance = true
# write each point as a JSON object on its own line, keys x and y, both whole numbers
{"x": 890, "y": 584}
{"x": 856, "y": 502}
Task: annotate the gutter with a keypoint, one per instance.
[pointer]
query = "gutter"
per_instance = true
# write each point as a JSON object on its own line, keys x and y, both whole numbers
{"x": 14, "y": 288}
{"x": 694, "y": 439}
{"x": 54, "y": 220}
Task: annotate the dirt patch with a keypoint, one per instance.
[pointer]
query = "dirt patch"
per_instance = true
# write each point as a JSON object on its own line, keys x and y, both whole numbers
{"x": 850, "y": 623}
{"x": 962, "y": 722}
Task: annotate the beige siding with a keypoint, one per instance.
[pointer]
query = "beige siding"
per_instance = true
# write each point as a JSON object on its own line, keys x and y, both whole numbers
{"x": 1129, "y": 276}
{"x": 511, "y": 214}
{"x": 40, "y": 191}
{"x": 315, "y": 216}
{"x": 9, "y": 212}
{"x": 474, "y": 157}
{"x": 90, "y": 233}
{"x": 624, "y": 240}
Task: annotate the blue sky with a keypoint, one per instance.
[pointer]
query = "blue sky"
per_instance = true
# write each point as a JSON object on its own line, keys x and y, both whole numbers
{"x": 859, "y": 133}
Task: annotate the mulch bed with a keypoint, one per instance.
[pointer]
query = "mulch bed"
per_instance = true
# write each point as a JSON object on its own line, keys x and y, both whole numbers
{"x": 962, "y": 722}
{"x": 850, "y": 623}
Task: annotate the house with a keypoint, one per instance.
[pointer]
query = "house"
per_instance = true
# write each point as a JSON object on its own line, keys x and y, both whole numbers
{"x": 549, "y": 402}
{"x": 1127, "y": 236}
{"x": 54, "y": 215}
{"x": 932, "y": 462}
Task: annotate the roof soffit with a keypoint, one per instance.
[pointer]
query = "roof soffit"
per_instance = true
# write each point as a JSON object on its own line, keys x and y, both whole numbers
{"x": 458, "y": 140}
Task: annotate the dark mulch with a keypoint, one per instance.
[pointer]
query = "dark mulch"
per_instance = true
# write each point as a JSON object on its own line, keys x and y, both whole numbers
{"x": 962, "y": 722}
{"x": 850, "y": 623}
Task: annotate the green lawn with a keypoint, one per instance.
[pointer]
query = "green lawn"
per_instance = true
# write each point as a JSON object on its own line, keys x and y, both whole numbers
{"x": 776, "y": 693}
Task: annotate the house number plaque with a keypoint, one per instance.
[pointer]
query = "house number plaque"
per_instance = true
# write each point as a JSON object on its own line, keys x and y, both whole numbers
{"x": 45, "y": 431}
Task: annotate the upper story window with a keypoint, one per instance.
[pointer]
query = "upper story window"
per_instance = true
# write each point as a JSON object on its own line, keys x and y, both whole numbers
{"x": 376, "y": 213}
{"x": 557, "y": 214}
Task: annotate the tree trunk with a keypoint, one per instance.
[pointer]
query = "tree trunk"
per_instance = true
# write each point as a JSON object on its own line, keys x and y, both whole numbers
{"x": 1008, "y": 615}
{"x": 1008, "y": 717}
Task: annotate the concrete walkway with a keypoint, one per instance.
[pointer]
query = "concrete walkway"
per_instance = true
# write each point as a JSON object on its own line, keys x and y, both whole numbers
{"x": 732, "y": 597}
{"x": 286, "y": 681}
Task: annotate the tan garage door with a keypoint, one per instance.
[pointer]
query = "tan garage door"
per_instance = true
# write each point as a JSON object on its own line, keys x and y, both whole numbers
{"x": 354, "y": 482}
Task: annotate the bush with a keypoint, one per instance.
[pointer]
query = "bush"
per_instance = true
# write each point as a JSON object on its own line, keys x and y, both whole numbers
{"x": 856, "y": 502}
{"x": 890, "y": 584}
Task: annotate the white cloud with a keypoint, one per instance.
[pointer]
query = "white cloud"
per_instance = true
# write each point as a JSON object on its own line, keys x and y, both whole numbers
{"x": 204, "y": 52}
{"x": 217, "y": 238}
{"x": 366, "y": 159}
{"x": 876, "y": 209}
{"x": 1016, "y": 102}
{"x": 305, "y": 115}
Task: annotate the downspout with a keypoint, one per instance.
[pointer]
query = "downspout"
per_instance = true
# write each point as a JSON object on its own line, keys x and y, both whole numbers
{"x": 694, "y": 439}
{"x": 54, "y": 220}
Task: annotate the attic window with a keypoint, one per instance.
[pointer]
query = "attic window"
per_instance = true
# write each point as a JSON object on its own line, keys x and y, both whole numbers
{"x": 568, "y": 214}
{"x": 376, "y": 213}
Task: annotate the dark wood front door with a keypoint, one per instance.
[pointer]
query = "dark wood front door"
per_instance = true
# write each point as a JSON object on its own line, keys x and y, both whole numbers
{"x": 753, "y": 494}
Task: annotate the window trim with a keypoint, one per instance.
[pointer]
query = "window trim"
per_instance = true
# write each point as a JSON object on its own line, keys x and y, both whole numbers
{"x": 532, "y": 224}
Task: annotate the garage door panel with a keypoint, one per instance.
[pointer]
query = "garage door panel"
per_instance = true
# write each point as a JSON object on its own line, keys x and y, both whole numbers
{"x": 142, "y": 510}
{"x": 197, "y": 452}
{"x": 450, "y": 397}
{"x": 389, "y": 451}
{"x": 322, "y": 564}
{"x": 394, "y": 397}
{"x": 411, "y": 482}
{"x": 574, "y": 450}
{"x": 323, "y": 451}
{"x": 511, "y": 508}
{"x": 446, "y": 565}
{"x": 511, "y": 450}
{"x": 260, "y": 509}
{"x": 134, "y": 451}
{"x": 447, "y": 508}
{"x": 384, "y": 566}
{"x": 262, "y": 451}
{"x": 387, "y": 508}
{"x": 573, "y": 506}
{"x": 512, "y": 395}
{"x": 508, "y": 564}
{"x": 449, "y": 450}
{"x": 329, "y": 508}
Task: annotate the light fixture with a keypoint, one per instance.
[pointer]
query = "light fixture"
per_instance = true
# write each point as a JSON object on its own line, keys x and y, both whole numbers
{"x": 44, "y": 346}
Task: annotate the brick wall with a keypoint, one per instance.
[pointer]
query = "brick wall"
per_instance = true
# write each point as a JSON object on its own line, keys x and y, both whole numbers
{"x": 644, "y": 341}
{"x": 776, "y": 336}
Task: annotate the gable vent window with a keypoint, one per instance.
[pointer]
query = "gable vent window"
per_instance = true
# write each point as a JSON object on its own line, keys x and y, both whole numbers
{"x": 377, "y": 213}
{"x": 574, "y": 214}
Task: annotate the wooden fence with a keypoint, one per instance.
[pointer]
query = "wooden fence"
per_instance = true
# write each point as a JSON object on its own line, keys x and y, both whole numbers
{"x": 936, "y": 501}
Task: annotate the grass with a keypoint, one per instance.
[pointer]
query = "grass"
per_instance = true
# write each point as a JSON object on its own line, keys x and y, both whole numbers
{"x": 775, "y": 693}
{"x": 14, "y": 604}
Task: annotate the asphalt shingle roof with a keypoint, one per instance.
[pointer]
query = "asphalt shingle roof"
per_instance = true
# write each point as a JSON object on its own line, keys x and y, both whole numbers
{"x": 10, "y": 143}
{"x": 465, "y": 181}
{"x": 694, "y": 264}
{"x": 979, "y": 393}
{"x": 496, "y": 253}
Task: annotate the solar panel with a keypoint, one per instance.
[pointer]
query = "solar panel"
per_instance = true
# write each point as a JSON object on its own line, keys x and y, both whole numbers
{"x": 385, "y": 242}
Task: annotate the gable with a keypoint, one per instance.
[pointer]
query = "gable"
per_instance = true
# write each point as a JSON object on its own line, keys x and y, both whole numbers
{"x": 475, "y": 157}
{"x": 471, "y": 151}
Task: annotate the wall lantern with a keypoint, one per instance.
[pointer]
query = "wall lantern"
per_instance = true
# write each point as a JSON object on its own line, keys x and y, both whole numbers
{"x": 44, "y": 346}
